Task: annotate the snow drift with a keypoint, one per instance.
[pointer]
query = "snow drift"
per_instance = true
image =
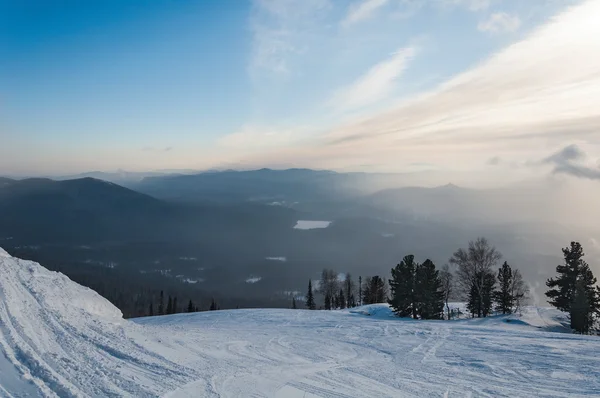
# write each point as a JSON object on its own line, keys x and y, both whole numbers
{"x": 60, "y": 339}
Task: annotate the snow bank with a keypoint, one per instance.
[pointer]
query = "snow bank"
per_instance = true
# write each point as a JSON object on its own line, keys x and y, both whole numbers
{"x": 65, "y": 339}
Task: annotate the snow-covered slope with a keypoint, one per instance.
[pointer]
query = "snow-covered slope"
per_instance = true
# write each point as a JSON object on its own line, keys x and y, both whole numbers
{"x": 60, "y": 339}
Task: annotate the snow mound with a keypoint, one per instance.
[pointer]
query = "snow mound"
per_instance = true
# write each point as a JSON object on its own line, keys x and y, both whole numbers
{"x": 66, "y": 340}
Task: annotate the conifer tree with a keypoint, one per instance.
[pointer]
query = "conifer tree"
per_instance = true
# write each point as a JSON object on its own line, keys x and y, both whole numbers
{"x": 213, "y": 305}
{"x": 562, "y": 288}
{"x": 349, "y": 290}
{"x": 503, "y": 297}
{"x": 429, "y": 297}
{"x": 190, "y": 307}
{"x": 342, "y": 300}
{"x": 151, "y": 311}
{"x": 360, "y": 292}
{"x": 586, "y": 302}
{"x": 161, "y": 304}
{"x": 174, "y": 310}
{"x": 402, "y": 286}
{"x": 170, "y": 306}
{"x": 327, "y": 303}
{"x": 310, "y": 298}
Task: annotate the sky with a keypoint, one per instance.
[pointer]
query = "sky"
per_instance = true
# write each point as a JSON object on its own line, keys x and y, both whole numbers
{"x": 497, "y": 88}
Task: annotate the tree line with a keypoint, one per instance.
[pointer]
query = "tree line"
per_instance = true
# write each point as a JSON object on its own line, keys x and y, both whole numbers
{"x": 421, "y": 291}
{"x": 173, "y": 308}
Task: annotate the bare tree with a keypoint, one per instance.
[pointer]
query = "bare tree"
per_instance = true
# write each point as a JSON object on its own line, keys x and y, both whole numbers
{"x": 447, "y": 286}
{"x": 329, "y": 286}
{"x": 519, "y": 291}
{"x": 475, "y": 265}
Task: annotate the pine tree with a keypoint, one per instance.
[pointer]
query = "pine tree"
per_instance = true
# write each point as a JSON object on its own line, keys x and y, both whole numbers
{"x": 190, "y": 307}
{"x": 586, "y": 302}
{"x": 161, "y": 304}
{"x": 360, "y": 292}
{"x": 342, "y": 300}
{"x": 504, "y": 298}
{"x": 429, "y": 297}
{"x": 479, "y": 298}
{"x": 151, "y": 311}
{"x": 402, "y": 286}
{"x": 213, "y": 305}
{"x": 310, "y": 299}
{"x": 170, "y": 306}
{"x": 294, "y": 303}
{"x": 349, "y": 290}
{"x": 489, "y": 281}
{"x": 562, "y": 288}
{"x": 375, "y": 290}
{"x": 327, "y": 303}
{"x": 174, "y": 310}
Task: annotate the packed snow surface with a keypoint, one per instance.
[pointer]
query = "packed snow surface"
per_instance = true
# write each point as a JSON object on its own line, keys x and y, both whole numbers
{"x": 60, "y": 339}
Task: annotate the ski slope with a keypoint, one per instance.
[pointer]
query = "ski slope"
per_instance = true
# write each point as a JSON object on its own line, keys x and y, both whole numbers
{"x": 60, "y": 339}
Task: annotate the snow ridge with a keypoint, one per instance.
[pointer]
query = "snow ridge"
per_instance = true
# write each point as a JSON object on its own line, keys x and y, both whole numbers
{"x": 68, "y": 341}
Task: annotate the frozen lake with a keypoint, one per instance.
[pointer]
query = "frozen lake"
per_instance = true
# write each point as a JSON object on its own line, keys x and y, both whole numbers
{"x": 311, "y": 224}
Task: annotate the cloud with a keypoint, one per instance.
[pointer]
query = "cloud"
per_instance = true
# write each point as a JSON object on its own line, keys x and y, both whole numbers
{"x": 542, "y": 89}
{"x": 363, "y": 10}
{"x": 279, "y": 31}
{"x": 569, "y": 161}
{"x": 251, "y": 137}
{"x": 376, "y": 84}
{"x": 471, "y": 5}
{"x": 500, "y": 22}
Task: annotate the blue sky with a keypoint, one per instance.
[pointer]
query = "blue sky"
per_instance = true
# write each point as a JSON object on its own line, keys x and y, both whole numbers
{"x": 389, "y": 85}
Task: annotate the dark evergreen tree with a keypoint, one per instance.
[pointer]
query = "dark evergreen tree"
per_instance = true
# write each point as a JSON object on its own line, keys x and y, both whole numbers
{"x": 375, "y": 290}
{"x": 213, "y": 305}
{"x": 294, "y": 303}
{"x": 174, "y": 310}
{"x": 586, "y": 302}
{"x": 161, "y": 304}
{"x": 170, "y": 306}
{"x": 190, "y": 307}
{"x": 489, "y": 281}
{"x": 327, "y": 303}
{"x": 562, "y": 288}
{"x": 310, "y": 298}
{"x": 479, "y": 298}
{"x": 342, "y": 299}
{"x": 151, "y": 311}
{"x": 429, "y": 296}
{"x": 360, "y": 292}
{"x": 503, "y": 297}
{"x": 349, "y": 291}
{"x": 402, "y": 286}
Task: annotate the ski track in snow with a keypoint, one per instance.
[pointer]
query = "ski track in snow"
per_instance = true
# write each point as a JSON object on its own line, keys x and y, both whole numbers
{"x": 60, "y": 339}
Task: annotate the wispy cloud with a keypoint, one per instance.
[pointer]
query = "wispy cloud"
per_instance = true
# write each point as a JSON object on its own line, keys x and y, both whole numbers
{"x": 500, "y": 22}
{"x": 375, "y": 85}
{"x": 363, "y": 10}
{"x": 279, "y": 30}
{"x": 569, "y": 160}
{"x": 539, "y": 90}
{"x": 472, "y": 5}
